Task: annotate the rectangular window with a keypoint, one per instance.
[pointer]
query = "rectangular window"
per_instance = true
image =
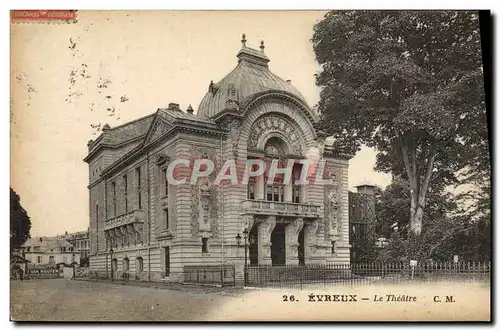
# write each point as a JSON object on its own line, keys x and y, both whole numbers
{"x": 125, "y": 185}
{"x": 204, "y": 245}
{"x": 165, "y": 218}
{"x": 165, "y": 181}
{"x": 251, "y": 191}
{"x": 167, "y": 261}
{"x": 28, "y": 249}
{"x": 39, "y": 259}
{"x": 269, "y": 193}
{"x": 63, "y": 249}
{"x": 276, "y": 191}
{"x": 139, "y": 198}
{"x": 296, "y": 194}
{"x": 333, "y": 247}
{"x": 113, "y": 196}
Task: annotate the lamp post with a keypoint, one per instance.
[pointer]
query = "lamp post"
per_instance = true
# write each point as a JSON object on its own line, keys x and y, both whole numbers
{"x": 111, "y": 253}
{"x": 238, "y": 241}
{"x": 73, "y": 258}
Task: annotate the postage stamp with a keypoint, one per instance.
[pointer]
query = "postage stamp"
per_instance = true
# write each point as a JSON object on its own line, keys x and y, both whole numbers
{"x": 43, "y": 16}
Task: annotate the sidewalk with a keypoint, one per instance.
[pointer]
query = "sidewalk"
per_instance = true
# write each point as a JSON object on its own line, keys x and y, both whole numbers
{"x": 193, "y": 288}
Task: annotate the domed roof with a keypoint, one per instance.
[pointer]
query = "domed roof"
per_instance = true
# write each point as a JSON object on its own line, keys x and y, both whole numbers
{"x": 251, "y": 76}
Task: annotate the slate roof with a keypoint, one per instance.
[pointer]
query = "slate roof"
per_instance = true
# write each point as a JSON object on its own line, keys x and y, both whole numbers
{"x": 48, "y": 244}
{"x": 251, "y": 76}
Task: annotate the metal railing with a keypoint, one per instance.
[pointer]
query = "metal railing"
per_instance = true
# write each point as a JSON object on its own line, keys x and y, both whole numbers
{"x": 295, "y": 276}
{"x": 210, "y": 275}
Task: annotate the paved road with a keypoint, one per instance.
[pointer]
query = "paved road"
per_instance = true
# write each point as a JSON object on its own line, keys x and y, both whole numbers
{"x": 69, "y": 300}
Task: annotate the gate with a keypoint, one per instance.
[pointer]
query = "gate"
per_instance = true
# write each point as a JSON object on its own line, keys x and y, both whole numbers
{"x": 209, "y": 275}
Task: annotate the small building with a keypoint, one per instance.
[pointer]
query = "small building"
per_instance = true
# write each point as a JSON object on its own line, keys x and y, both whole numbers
{"x": 49, "y": 251}
{"x": 80, "y": 240}
{"x": 18, "y": 266}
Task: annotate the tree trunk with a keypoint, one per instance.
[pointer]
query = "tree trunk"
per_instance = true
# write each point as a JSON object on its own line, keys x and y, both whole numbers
{"x": 418, "y": 191}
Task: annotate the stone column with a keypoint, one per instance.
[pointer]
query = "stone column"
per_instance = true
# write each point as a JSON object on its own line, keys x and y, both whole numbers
{"x": 265, "y": 228}
{"x": 310, "y": 240}
{"x": 292, "y": 231}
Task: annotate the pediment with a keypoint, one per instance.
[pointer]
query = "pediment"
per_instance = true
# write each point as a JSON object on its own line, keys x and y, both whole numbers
{"x": 158, "y": 128}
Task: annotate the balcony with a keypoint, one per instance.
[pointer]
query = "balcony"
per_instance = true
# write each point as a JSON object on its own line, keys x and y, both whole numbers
{"x": 264, "y": 207}
{"x": 136, "y": 216}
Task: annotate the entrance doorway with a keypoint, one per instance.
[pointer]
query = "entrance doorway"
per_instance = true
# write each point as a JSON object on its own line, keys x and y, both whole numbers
{"x": 278, "y": 256}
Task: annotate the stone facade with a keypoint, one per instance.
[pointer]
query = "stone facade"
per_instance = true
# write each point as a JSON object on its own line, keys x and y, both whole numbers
{"x": 155, "y": 229}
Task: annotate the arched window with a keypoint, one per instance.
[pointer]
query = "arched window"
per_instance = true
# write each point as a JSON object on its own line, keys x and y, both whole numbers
{"x": 139, "y": 264}
{"x": 126, "y": 264}
{"x": 52, "y": 260}
{"x": 276, "y": 149}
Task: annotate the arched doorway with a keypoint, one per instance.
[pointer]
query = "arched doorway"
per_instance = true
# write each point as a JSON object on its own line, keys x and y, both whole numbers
{"x": 278, "y": 253}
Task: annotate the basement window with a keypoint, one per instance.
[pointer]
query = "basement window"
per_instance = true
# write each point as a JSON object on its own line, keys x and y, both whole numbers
{"x": 204, "y": 245}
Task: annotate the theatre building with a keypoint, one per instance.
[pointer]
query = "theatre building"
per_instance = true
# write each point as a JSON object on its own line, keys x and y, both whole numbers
{"x": 144, "y": 227}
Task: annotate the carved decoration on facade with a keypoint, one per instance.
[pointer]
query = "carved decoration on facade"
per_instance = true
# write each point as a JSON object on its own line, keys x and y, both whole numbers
{"x": 204, "y": 208}
{"x": 333, "y": 203}
{"x": 248, "y": 222}
{"x": 232, "y": 99}
{"x": 234, "y": 135}
{"x": 267, "y": 227}
{"x": 293, "y": 230}
{"x": 274, "y": 123}
{"x": 202, "y": 152}
{"x": 158, "y": 129}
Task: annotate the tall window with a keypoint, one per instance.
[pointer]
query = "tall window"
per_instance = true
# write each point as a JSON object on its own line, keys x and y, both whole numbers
{"x": 126, "y": 264}
{"x": 139, "y": 264}
{"x": 97, "y": 213}
{"x": 138, "y": 176}
{"x": 113, "y": 195}
{"x": 275, "y": 192}
{"x": 167, "y": 261}
{"x": 52, "y": 260}
{"x": 39, "y": 259}
{"x": 165, "y": 181}
{"x": 125, "y": 185}
{"x": 251, "y": 191}
{"x": 165, "y": 218}
{"x": 333, "y": 247}
{"x": 204, "y": 245}
{"x": 296, "y": 194}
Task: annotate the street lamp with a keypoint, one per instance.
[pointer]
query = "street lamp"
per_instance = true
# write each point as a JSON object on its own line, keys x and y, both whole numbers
{"x": 73, "y": 256}
{"x": 111, "y": 253}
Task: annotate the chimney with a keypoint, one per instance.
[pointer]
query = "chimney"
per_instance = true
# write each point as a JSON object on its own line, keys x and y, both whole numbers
{"x": 66, "y": 233}
{"x": 173, "y": 106}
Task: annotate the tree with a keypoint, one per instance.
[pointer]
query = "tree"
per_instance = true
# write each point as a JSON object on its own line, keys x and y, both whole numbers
{"x": 410, "y": 85}
{"x": 446, "y": 231}
{"x": 20, "y": 223}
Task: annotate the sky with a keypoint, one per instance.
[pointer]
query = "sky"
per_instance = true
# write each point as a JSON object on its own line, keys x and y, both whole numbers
{"x": 67, "y": 80}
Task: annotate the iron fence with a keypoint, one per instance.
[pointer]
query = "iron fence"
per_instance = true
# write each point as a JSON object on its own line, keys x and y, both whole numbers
{"x": 299, "y": 276}
{"x": 209, "y": 275}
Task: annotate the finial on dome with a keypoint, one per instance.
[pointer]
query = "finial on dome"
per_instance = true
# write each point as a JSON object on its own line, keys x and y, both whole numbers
{"x": 262, "y": 45}
{"x": 243, "y": 40}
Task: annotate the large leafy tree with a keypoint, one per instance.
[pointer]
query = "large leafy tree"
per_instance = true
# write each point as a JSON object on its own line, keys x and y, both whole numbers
{"x": 20, "y": 223}
{"x": 410, "y": 84}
